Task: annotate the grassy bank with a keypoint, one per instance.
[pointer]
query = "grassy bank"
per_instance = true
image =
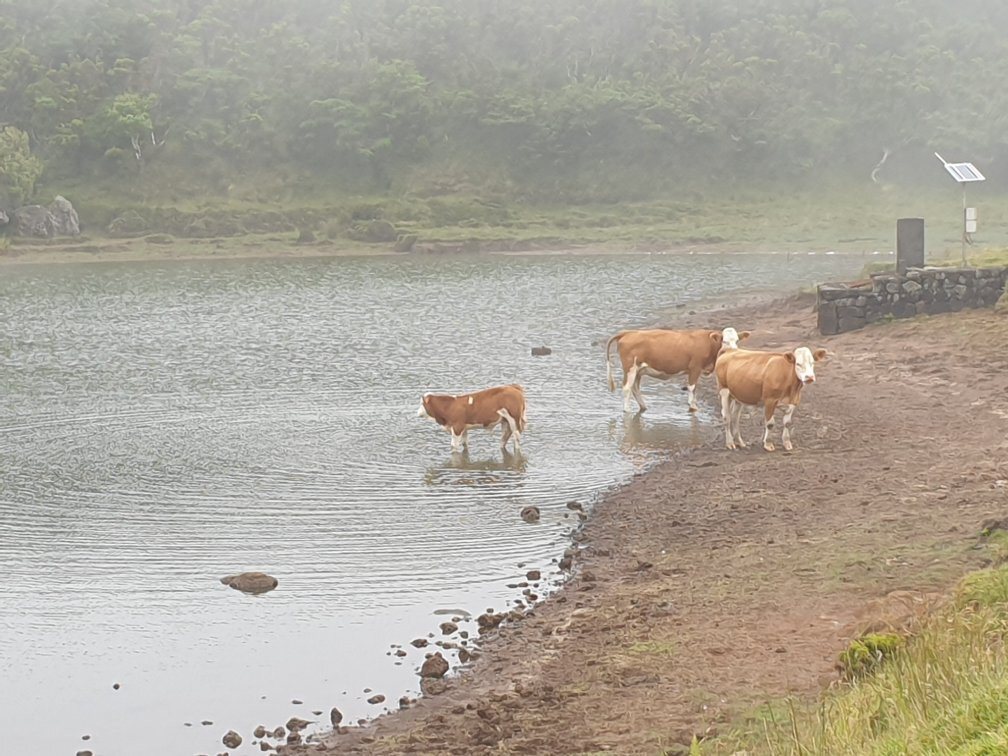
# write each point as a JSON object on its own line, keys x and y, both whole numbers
{"x": 850, "y": 219}
{"x": 943, "y": 690}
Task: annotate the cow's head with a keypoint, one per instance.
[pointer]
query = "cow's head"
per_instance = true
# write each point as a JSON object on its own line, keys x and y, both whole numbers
{"x": 730, "y": 337}
{"x": 803, "y": 358}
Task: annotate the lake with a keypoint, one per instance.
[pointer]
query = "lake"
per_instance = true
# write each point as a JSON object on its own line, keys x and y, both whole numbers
{"x": 165, "y": 424}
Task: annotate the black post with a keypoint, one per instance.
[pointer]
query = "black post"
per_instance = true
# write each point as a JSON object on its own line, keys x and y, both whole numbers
{"x": 909, "y": 244}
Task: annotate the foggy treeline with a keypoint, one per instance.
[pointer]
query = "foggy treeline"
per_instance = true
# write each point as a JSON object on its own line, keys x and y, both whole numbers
{"x": 574, "y": 98}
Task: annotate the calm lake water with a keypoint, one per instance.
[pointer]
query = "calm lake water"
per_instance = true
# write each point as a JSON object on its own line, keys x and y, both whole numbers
{"x": 165, "y": 424}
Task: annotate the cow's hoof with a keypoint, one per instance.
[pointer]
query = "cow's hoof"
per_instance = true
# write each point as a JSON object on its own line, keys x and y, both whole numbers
{"x": 692, "y": 409}
{"x": 788, "y": 447}
{"x": 730, "y": 446}
{"x": 768, "y": 447}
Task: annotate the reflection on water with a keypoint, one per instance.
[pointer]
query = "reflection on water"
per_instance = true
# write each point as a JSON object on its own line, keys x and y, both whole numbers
{"x": 163, "y": 425}
{"x": 458, "y": 469}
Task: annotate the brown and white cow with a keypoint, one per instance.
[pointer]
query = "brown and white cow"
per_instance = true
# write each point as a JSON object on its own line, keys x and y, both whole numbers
{"x": 768, "y": 378}
{"x": 663, "y": 353}
{"x": 503, "y": 405}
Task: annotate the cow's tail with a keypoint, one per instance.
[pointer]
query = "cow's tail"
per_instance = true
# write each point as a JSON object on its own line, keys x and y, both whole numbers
{"x": 608, "y": 358}
{"x": 520, "y": 420}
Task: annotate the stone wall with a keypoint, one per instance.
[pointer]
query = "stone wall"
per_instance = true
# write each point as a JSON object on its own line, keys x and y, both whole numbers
{"x": 918, "y": 291}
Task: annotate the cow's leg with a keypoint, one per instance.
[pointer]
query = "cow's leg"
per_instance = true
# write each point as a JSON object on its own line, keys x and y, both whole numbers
{"x": 726, "y": 411}
{"x": 736, "y": 417}
{"x": 691, "y": 381}
{"x": 456, "y": 440}
{"x": 510, "y": 428}
{"x": 768, "y": 423}
{"x": 786, "y": 433}
{"x": 631, "y": 387}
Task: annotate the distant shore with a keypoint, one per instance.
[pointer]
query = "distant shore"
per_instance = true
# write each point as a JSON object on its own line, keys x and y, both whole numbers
{"x": 160, "y": 247}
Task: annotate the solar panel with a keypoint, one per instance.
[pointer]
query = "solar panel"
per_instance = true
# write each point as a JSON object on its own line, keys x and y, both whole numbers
{"x": 964, "y": 172}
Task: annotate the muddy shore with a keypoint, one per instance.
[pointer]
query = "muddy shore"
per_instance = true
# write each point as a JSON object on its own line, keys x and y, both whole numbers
{"x": 721, "y": 580}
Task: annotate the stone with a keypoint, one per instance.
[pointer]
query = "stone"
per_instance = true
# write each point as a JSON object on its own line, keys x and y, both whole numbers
{"x": 251, "y": 582}
{"x": 533, "y": 575}
{"x": 530, "y": 514}
{"x": 232, "y": 739}
{"x": 376, "y": 699}
{"x": 541, "y": 351}
{"x": 296, "y": 723}
{"x": 259, "y": 732}
{"x": 405, "y": 242}
{"x": 418, "y": 642}
{"x": 335, "y": 716}
{"x": 447, "y": 628}
{"x": 34, "y": 220}
{"x": 434, "y": 666}
{"x": 65, "y": 220}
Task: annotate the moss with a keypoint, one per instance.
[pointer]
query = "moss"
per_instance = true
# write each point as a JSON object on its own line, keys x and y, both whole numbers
{"x": 863, "y": 655}
{"x": 652, "y": 648}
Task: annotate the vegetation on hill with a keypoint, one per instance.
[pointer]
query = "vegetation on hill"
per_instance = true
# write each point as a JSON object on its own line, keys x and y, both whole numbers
{"x": 571, "y": 100}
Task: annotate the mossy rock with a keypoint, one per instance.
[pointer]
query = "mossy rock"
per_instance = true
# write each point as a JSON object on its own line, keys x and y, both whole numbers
{"x": 130, "y": 223}
{"x": 866, "y": 653}
{"x": 1001, "y": 305}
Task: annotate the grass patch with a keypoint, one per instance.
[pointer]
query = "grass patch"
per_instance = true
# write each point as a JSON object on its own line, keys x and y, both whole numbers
{"x": 942, "y": 691}
{"x": 652, "y": 648}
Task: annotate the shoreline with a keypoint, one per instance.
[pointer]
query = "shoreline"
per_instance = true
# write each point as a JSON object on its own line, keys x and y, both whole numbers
{"x": 703, "y": 588}
{"x": 143, "y": 249}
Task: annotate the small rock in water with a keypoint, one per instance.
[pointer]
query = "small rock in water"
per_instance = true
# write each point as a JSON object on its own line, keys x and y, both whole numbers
{"x": 259, "y": 732}
{"x": 115, "y": 686}
{"x": 419, "y": 642}
{"x": 251, "y": 582}
{"x": 206, "y": 722}
{"x": 434, "y": 666}
{"x": 84, "y": 753}
{"x": 376, "y": 699}
{"x": 541, "y": 351}
{"x": 279, "y": 732}
{"x": 530, "y": 514}
{"x": 296, "y": 723}
{"x": 533, "y": 575}
{"x": 296, "y": 701}
{"x": 335, "y": 716}
{"x": 232, "y": 739}
{"x": 400, "y": 652}
{"x": 404, "y": 702}
{"x": 85, "y": 737}
{"x": 448, "y": 627}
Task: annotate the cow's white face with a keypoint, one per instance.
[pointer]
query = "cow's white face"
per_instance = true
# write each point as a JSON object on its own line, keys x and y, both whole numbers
{"x": 730, "y": 338}
{"x": 803, "y": 364}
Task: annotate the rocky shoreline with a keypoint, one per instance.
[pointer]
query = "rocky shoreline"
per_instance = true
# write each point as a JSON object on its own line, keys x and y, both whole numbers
{"x": 718, "y": 579}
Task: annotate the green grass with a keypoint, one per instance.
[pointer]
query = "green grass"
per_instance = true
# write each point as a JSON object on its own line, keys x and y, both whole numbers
{"x": 845, "y": 218}
{"x": 944, "y": 691}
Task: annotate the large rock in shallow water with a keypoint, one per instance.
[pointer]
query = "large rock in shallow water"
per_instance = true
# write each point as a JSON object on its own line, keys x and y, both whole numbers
{"x": 65, "y": 220}
{"x": 251, "y": 582}
{"x": 34, "y": 220}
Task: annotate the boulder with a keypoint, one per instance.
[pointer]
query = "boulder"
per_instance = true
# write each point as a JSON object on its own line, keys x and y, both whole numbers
{"x": 34, "y": 220}
{"x": 251, "y": 582}
{"x": 65, "y": 220}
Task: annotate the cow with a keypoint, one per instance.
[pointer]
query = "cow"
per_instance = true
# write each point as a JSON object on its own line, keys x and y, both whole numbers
{"x": 500, "y": 405}
{"x": 662, "y": 353}
{"x": 769, "y": 378}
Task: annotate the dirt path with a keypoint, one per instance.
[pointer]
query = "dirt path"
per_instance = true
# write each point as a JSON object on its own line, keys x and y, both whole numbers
{"x": 722, "y": 579}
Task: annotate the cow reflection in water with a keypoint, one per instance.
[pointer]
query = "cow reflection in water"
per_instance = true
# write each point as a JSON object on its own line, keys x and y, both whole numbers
{"x": 461, "y": 470}
{"x": 641, "y": 435}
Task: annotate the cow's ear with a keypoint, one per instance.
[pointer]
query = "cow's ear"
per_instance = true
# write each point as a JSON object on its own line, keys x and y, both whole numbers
{"x": 789, "y": 356}
{"x": 717, "y": 336}
{"x": 819, "y": 354}
{"x": 744, "y": 335}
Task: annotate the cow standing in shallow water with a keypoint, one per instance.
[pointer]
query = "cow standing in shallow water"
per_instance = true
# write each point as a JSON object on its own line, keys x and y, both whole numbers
{"x": 767, "y": 378}
{"x": 500, "y": 405}
{"x": 662, "y": 353}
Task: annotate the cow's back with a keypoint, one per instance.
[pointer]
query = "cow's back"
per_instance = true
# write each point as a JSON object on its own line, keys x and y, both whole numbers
{"x": 668, "y": 351}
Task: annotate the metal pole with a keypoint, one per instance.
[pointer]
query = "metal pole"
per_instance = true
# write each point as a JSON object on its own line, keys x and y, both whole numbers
{"x": 964, "y": 225}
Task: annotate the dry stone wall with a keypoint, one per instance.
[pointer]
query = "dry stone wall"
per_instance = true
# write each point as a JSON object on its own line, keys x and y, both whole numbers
{"x": 918, "y": 291}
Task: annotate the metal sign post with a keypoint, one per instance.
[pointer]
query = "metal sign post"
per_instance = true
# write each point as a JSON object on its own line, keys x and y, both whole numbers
{"x": 964, "y": 173}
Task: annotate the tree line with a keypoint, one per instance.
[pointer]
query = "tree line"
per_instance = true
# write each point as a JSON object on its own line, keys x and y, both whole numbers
{"x": 581, "y": 99}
